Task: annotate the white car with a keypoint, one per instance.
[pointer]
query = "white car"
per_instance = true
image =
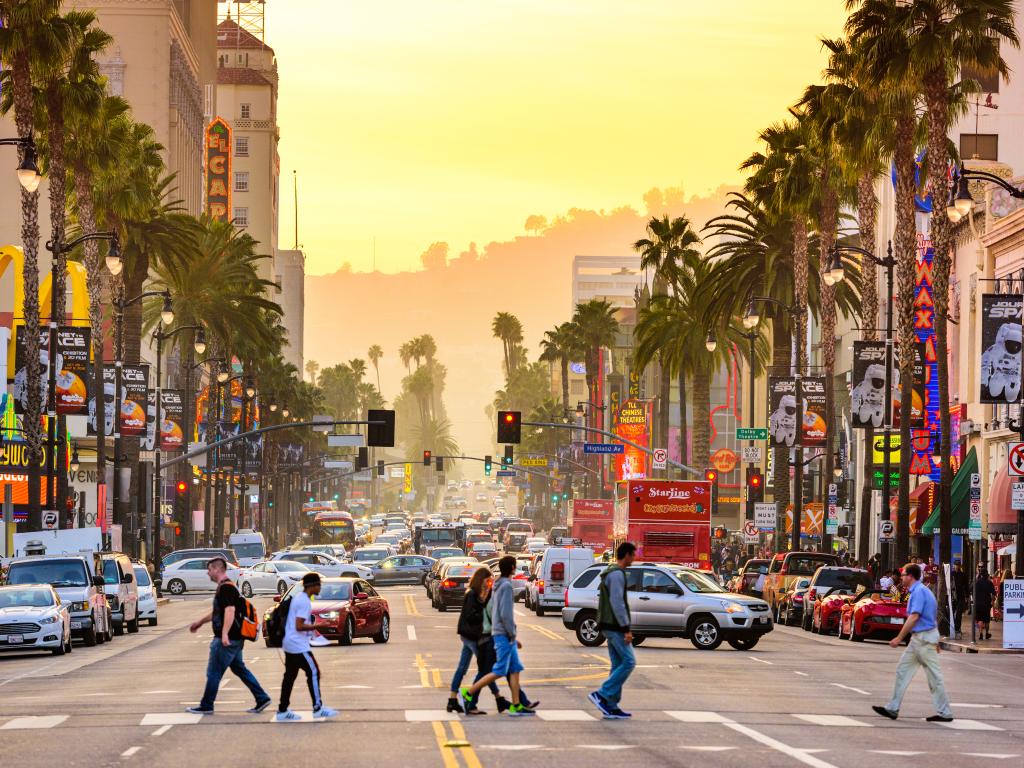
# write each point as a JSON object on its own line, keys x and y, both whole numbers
{"x": 324, "y": 564}
{"x": 33, "y": 616}
{"x": 271, "y": 576}
{"x": 147, "y": 594}
{"x": 190, "y": 576}
{"x": 370, "y": 556}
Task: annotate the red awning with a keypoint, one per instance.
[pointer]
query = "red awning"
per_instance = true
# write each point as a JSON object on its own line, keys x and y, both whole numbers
{"x": 922, "y": 503}
{"x": 1001, "y": 517}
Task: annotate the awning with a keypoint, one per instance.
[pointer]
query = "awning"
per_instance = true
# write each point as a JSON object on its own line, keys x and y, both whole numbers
{"x": 1001, "y": 518}
{"x": 960, "y": 495}
{"x": 920, "y": 504}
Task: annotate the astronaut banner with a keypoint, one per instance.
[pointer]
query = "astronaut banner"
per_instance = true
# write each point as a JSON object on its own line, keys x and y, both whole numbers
{"x": 1001, "y": 347}
{"x": 21, "y": 385}
{"x": 812, "y": 388}
{"x": 782, "y": 405}
{"x": 867, "y": 398}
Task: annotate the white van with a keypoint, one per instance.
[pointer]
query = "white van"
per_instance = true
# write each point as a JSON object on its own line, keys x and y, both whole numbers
{"x": 248, "y": 545}
{"x": 559, "y": 566}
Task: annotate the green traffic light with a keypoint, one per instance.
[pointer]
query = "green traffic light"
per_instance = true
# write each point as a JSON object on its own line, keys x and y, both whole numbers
{"x": 311, "y": 499}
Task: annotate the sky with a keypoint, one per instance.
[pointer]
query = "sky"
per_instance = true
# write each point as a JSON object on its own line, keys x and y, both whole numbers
{"x": 413, "y": 122}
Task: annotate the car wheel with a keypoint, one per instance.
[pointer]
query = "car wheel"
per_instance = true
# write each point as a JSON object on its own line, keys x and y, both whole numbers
{"x": 638, "y": 640}
{"x": 61, "y": 649}
{"x": 152, "y": 622}
{"x": 385, "y": 630}
{"x": 246, "y": 589}
{"x": 538, "y": 609}
{"x": 70, "y": 645}
{"x": 705, "y": 634}
{"x": 441, "y": 606}
{"x": 349, "y": 634}
{"x": 133, "y": 625}
{"x": 102, "y": 637}
{"x": 90, "y": 636}
{"x": 804, "y": 623}
{"x": 743, "y": 643}
{"x": 176, "y": 587}
{"x": 110, "y": 627}
{"x": 588, "y": 631}
{"x": 281, "y": 588}
{"x": 854, "y": 637}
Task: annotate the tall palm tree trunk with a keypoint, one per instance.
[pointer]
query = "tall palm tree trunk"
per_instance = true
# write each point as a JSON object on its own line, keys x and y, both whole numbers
{"x": 684, "y": 454}
{"x": 58, "y": 195}
{"x": 701, "y": 416}
{"x": 782, "y": 345}
{"x": 136, "y": 279}
{"x": 664, "y": 397}
{"x": 867, "y": 208}
{"x": 826, "y": 237}
{"x": 800, "y": 273}
{"x": 564, "y": 362}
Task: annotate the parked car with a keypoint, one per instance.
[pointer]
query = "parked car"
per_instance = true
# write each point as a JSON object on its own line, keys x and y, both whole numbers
{"x": 553, "y": 569}
{"x": 33, "y": 616}
{"x": 831, "y": 583}
{"x": 122, "y": 592}
{"x": 670, "y": 601}
{"x": 147, "y": 593}
{"x": 324, "y": 564}
{"x": 78, "y": 580}
{"x": 208, "y": 552}
{"x": 871, "y": 614}
{"x": 791, "y": 606}
{"x": 271, "y": 576}
{"x": 402, "y": 569}
{"x": 786, "y": 568}
{"x": 750, "y": 579}
{"x": 345, "y": 609}
{"x": 449, "y": 589}
{"x": 191, "y": 576}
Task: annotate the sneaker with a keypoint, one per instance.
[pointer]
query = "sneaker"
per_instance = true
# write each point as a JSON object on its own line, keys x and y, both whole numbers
{"x": 287, "y": 716}
{"x": 600, "y": 703}
{"x": 518, "y": 710}
{"x": 324, "y": 712}
{"x": 475, "y": 711}
{"x": 199, "y": 711}
{"x": 465, "y": 698}
{"x": 940, "y": 719}
{"x": 621, "y": 714}
{"x": 886, "y": 712}
{"x": 260, "y": 706}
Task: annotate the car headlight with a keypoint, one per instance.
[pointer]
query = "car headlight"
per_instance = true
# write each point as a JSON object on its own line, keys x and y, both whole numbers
{"x": 50, "y": 620}
{"x": 731, "y": 607}
{"x": 79, "y": 606}
{"x": 329, "y": 615}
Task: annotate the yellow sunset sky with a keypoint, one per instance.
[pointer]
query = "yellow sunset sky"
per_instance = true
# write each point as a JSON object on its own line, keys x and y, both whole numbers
{"x": 414, "y": 121}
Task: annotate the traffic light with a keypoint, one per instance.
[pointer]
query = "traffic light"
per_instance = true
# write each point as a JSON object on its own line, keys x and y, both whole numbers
{"x": 510, "y": 426}
{"x": 755, "y": 485}
{"x": 721, "y": 532}
{"x": 337, "y": 496}
{"x": 506, "y": 462}
{"x": 439, "y": 463}
{"x": 363, "y": 458}
{"x": 555, "y": 498}
{"x": 380, "y": 468}
{"x": 711, "y": 476}
{"x": 180, "y": 504}
{"x": 487, "y": 466}
{"x": 426, "y": 458}
{"x": 380, "y": 435}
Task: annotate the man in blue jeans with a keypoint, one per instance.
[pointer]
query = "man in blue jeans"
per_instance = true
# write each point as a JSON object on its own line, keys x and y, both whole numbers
{"x": 226, "y": 646}
{"x": 613, "y": 618}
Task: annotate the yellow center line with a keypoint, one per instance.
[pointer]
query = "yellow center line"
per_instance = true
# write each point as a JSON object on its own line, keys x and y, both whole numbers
{"x": 545, "y": 631}
{"x": 446, "y": 752}
{"x": 410, "y": 606}
{"x": 601, "y": 659}
{"x": 436, "y": 674}
{"x": 422, "y": 667}
{"x": 467, "y": 752}
{"x": 542, "y": 681}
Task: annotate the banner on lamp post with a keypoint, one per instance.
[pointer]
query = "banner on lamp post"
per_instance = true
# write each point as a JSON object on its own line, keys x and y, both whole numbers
{"x": 1001, "y": 339}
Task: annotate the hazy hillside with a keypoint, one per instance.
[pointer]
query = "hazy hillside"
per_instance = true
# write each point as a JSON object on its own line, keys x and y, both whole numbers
{"x": 455, "y": 296}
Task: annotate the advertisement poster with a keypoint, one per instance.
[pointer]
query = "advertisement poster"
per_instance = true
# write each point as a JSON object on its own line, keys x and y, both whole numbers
{"x": 21, "y": 387}
{"x": 148, "y": 441}
{"x": 1000, "y": 348}
{"x": 218, "y": 170}
{"x": 918, "y": 393}
{"x": 782, "y": 406}
{"x": 812, "y": 388}
{"x": 657, "y": 501}
{"x": 172, "y": 433}
{"x": 867, "y": 398}
{"x": 135, "y": 403}
{"x": 633, "y": 424}
{"x": 108, "y": 401}
{"x": 73, "y": 381}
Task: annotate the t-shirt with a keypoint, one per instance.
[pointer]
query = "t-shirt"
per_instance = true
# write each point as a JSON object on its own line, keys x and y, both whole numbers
{"x": 922, "y": 602}
{"x": 295, "y": 641}
{"x": 226, "y": 596}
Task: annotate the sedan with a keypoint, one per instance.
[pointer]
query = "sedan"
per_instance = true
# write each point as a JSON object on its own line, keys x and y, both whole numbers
{"x": 872, "y": 614}
{"x": 190, "y": 575}
{"x": 435, "y": 570}
{"x": 791, "y": 604}
{"x": 449, "y": 590}
{"x": 32, "y": 616}
{"x": 438, "y": 552}
{"x": 324, "y": 564}
{"x": 402, "y": 569}
{"x": 147, "y": 593}
{"x": 370, "y": 556}
{"x": 271, "y": 576}
{"x": 483, "y": 550}
{"x": 345, "y": 609}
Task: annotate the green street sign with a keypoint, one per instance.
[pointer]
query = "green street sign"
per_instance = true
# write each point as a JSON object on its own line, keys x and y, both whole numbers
{"x": 751, "y": 433}
{"x": 876, "y": 479}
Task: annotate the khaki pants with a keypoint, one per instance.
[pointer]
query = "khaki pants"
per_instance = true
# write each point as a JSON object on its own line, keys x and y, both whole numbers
{"x": 921, "y": 652}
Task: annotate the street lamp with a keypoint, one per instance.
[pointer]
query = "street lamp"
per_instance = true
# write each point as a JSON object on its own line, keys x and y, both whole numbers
{"x": 285, "y": 413}
{"x": 74, "y": 464}
{"x": 711, "y": 343}
{"x": 751, "y": 317}
{"x": 224, "y": 373}
{"x": 28, "y": 168}
{"x": 961, "y": 203}
{"x": 273, "y": 407}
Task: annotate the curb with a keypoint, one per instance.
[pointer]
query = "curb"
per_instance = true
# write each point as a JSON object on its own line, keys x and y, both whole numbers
{"x": 955, "y": 647}
{"x": 163, "y": 600}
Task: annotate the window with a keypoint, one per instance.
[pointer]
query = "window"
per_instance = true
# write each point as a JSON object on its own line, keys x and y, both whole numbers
{"x": 241, "y": 181}
{"x": 246, "y": 111}
{"x": 242, "y": 146}
{"x": 658, "y": 582}
{"x": 980, "y": 146}
{"x": 241, "y": 217}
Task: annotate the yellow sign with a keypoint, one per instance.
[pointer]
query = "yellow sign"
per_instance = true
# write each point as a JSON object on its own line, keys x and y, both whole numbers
{"x": 878, "y": 449}
{"x": 529, "y": 461}
{"x": 407, "y": 487}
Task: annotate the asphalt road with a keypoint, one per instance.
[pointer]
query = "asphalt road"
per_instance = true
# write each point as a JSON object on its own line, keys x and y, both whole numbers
{"x": 796, "y": 699}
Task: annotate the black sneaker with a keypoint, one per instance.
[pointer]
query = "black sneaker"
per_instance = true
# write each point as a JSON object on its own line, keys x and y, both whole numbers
{"x": 939, "y": 719}
{"x": 198, "y": 711}
{"x": 886, "y": 712}
{"x": 602, "y": 706}
{"x": 260, "y": 706}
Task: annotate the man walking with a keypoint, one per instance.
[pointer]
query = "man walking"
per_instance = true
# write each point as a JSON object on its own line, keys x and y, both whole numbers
{"x": 297, "y": 655}
{"x": 613, "y": 618}
{"x": 506, "y": 646}
{"x": 226, "y": 646}
{"x": 923, "y": 650}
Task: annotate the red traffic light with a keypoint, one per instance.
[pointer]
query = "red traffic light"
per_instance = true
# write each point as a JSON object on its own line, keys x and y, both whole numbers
{"x": 426, "y": 458}
{"x": 177, "y": 530}
{"x": 711, "y": 475}
{"x": 182, "y": 486}
{"x": 755, "y": 480}
{"x": 509, "y": 417}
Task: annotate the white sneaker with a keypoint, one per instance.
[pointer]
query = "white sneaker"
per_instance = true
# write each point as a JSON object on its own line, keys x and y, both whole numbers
{"x": 287, "y": 716}
{"x": 324, "y": 712}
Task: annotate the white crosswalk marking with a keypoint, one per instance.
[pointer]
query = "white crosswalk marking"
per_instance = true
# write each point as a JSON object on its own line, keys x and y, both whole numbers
{"x": 834, "y": 720}
{"x": 510, "y": 747}
{"x": 895, "y": 752}
{"x": 564, "y": 714}
{"x": 970, "y": 725}
{"x": 33, "y": 722}
{"x": 993, "y": 755}
{"x": 428, "y": 715}
{"x": 696, "y": 716}
{"x": 708, "y": 748}
{"x": 170, "y": 718}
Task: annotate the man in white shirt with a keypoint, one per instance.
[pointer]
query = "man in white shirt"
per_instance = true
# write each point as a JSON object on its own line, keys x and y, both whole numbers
{"x": 297, "y": 655}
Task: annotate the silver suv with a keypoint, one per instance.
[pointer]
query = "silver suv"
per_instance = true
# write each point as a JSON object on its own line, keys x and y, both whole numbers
{"x": 670, "y": 601}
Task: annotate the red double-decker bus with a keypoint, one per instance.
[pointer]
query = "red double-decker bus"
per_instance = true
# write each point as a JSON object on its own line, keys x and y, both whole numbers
{"x": 668, "y": 520}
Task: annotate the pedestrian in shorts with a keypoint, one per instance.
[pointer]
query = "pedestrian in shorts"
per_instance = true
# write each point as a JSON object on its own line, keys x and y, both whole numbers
{"x": 297, "y": 655}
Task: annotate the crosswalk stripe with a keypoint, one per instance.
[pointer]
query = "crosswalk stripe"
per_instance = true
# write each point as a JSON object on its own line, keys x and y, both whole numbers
{"x": 961, "y": 724}
{"x": 33, "y": 722}
{"x": 171, "y": 718}
{"x": 564, "y": 714}
{"x": 835, "y": 720}
{"x": 429, "y": 715}
{"x": 696, "y": 716}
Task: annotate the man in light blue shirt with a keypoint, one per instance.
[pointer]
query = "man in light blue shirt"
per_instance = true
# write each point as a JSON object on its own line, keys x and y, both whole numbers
{"x": 922, "y": 651}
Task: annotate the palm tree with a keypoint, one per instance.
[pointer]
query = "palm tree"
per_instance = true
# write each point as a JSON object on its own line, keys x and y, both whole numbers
{"x": 509, "y": 330}
{"x": 596, "y": 325}
{"x": 563, "y": 344}
{"x": 312, "y": 366}
{"x": 375, "y": 353}
{"x": 405, "y": 355}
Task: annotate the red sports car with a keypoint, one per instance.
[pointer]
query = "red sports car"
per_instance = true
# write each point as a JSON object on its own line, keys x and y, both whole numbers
{"x": 345, "y": 609}
{"x": 827, "y": 611}
{"x": 872, "y": 614}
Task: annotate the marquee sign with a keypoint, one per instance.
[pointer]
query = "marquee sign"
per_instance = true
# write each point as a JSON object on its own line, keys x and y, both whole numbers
{"x": 218, "y": 170}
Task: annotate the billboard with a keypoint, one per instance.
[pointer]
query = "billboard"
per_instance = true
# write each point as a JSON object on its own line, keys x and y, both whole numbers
{"x": 1000, "y": 348}
{"x": 218, "y": 170}
{"x": 108, "y": 401}
{"x": 674, "y": 501}
{"x": 633, "y": 423}
{"x": 867, "y": 398}
{"x": 73, "y": 380}
{"x": 782, "y": 406}
{"x": 815, "y": 428}
{"x": 135, "y": 403}
{"x": 172, "y": 412}
{"x": 20, "y": 389}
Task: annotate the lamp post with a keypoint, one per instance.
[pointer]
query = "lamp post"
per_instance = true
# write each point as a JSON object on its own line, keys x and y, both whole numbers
{"x": 199, "y": 345}
{"x": 28, "y": 168}
{"x": 248, "y": 396}
{"x": 57, "y": 248}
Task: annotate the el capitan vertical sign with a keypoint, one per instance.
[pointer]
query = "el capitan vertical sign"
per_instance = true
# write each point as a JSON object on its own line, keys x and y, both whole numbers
{"x": 218, "y": 170}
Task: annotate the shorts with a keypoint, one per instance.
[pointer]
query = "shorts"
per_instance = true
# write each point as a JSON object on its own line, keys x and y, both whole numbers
{"x": 508, "y": 657}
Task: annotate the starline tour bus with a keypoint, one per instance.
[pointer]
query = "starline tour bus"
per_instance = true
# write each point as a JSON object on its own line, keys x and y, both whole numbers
{"x": 668, "y": 520}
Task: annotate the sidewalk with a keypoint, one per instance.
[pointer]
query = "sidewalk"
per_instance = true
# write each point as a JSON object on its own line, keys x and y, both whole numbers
{"x": 964, "y": 645}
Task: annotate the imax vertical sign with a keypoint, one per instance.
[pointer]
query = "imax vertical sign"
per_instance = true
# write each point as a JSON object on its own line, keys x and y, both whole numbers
{"x": 218, "y": 170}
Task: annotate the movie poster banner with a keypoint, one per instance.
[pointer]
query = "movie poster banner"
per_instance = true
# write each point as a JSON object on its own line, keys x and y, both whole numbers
{"x": 135, "y": 400}
{"x": 917, "y": 392}
{"x": 815, "y": 428}
{"x": 20, "y": 389}
{"x": 633, "y": 424}
{"x": 867, "y": 398}
{"x": 108, "y": 401}
{"x": 782, "y": 405}
{"x": 1001, "y": 347}
{"x": 73, "y": 380}
{"x": 172, "y": 432}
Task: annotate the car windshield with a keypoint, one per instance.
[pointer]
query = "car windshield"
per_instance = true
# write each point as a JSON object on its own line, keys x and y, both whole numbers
{"x": 697, "y": 582}
{"x": 843, "y": 579}
{"x": 17, "y": 598}
{"x": 334, "y": 591}
{"x": 110, "y": 572}
{"x": 58, "y": 573}
{"x": 142, "y": 576}
{"x": 436, "y": 535}
{"x": 369, "y": 555}
{"x": 440, "y": 552}
{"x": 288, "y": 565}
{"x": 254, "y": 549}
{"x": 805, "y": 565}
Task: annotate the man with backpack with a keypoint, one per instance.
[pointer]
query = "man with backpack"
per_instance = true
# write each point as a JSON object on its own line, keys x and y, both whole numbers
{"x": 227, "y": 616}
{"x": 613, "y": 618}
{"x": 297, "y": 628}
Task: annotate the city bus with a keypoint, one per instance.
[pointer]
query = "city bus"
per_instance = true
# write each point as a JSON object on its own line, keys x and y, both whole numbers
{"x": 333, "y": 527}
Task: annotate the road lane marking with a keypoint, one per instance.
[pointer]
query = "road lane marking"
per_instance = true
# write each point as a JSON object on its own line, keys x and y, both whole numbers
{"x": 155, "y": 692}
{"x": 515, "y": 747}
{"x": 601, "y": 659}
{"x": 435, "y": 674}
{"x": 979, "y": 706}
{"x": 465, "y": 748}
{"x": 428, "y": 715}
{"x": 564, "y": 715}
{"x": 33, "y": 722}
{"x": 797, "y": 754}
{"x": 851, "y": 688}
{"x": 834, "y": 720}
{"x": 762, "y": 661}
{"x": 995, "y": 755}
{"x": 969, "y": 725}
{"x": 896, "y": 752}
{"x": 446, "y": 753}
{"x": 171, "y": 718}
{"x": 604, "y": 746}
{"x": 708, "y": 748}
{"x": 696, "y": 716}
{"x": 130, "y": 751}
{"x": 410, "y": 606}
{"x": 161, "y": 730}
{"x": 802, "y": 674}
{"x": 421, "y": 665}
{"x": 411, "y": 631}
{"x": 545, "y": 631}
{"x": 542, "y": 680}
